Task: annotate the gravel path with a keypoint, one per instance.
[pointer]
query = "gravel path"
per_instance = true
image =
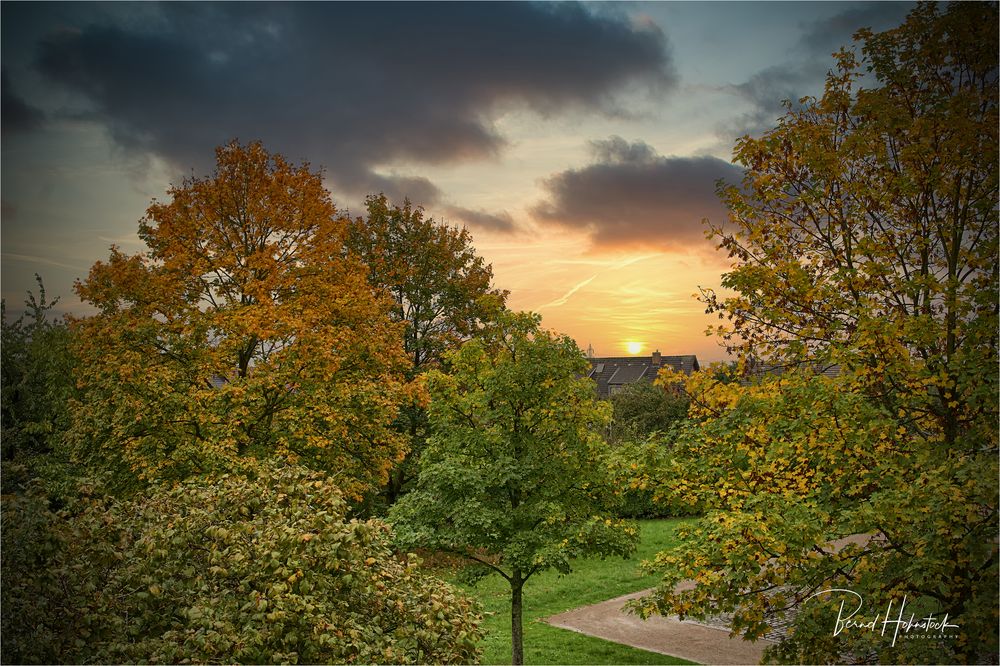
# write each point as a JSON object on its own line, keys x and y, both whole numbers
{"x": 703, "y": 642}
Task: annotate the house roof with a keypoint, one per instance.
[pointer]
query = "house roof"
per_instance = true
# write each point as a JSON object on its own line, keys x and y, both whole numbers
{"x": 626, "y": 374}
{"x": 613, "y": 372}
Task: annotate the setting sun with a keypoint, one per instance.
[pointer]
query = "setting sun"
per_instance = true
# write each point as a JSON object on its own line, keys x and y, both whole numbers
{"x": 633, "y": 347}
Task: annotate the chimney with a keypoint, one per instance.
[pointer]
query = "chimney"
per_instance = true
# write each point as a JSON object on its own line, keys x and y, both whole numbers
{"x": 656, "y": 359}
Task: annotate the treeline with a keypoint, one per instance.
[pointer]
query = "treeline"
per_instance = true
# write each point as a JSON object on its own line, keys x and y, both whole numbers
{"x": 184, "y": 470}
{"x": 264, "y": 341}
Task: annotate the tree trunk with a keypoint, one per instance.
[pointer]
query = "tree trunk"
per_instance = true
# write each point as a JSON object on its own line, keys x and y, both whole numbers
{"x": 398, "y": 476}
{"x": 394, "y": 487}
{"x": 516, "y": 633}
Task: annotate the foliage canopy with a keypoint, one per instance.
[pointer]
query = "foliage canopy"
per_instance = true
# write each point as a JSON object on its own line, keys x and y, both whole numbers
{"x": 511, "y": 478}
{"x": 864, "y": 238}
{"x": 242, "y": 332}
{"x": 36, "y": 369}
{"x": 641, "y": 432}
{"x": 641, "y": 409}
{"x": 439, "y": 289}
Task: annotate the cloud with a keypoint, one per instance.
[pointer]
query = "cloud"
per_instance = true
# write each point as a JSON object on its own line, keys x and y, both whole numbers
{"x": 630, "y": 196}
{"x": 767, "y": 91}
{"x": 810, "y": 60}
{"x": 562, "y": 300}
{"x": 17, "y": 114}
{"x": 355, "y": 86}
{"x": 824, "y": 37}
{"x": 616, "y": 150}
{"x": 501, "y": 221}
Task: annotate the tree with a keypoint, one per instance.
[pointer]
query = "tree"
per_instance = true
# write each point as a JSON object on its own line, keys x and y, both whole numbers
{"x": 864, "y": 239}
{"x": 440, "y": 290}
{"x": 242, "y": 332}
{"x": 642, "y": 409}
{"x": 510, "y": 478}
{"x": 644, "y": 419}
{"x": 261, "y": 568}
{"x": 36, "y": 376}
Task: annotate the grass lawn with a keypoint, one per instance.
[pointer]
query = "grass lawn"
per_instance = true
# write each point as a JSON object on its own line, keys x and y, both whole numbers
{"x": 548, "y": 593}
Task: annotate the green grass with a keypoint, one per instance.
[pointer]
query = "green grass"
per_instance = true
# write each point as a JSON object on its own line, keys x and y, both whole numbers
{"x": 549, "y": 593}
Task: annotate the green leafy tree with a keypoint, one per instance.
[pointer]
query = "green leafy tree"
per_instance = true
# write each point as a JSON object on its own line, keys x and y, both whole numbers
{"x": 642, "y": 409}
{"x": 644, "y": 418}
{"x": 37, "y": 378}
{"x": 242, "y": 332}
{"x": 864, "y": 238}
{"x": 511, "y": 479}
{"x": 440, "y": 290}
{"x": 234, "y": 569}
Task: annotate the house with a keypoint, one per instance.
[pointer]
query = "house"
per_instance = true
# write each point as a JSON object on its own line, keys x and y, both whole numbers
{"x": 614, "y": 373}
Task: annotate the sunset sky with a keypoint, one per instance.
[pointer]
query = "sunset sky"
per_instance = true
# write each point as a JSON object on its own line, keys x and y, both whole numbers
{"x": 579, "y": 143}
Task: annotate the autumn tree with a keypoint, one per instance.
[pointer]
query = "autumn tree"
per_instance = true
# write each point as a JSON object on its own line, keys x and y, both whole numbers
{"x": 864, "y": 242}
{"x": 440, "y": 290}
{"x": 242, "y": 332}
{"x": 262, "y": 567}
{"x": 510, "y": 478}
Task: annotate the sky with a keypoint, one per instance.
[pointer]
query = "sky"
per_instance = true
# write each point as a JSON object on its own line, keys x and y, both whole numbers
{"x": 579, "y": 143}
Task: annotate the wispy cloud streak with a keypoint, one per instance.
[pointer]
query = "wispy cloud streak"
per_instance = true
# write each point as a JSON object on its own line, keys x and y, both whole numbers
{"x": 562, "y": 301}
{"x": 32, "y": 259}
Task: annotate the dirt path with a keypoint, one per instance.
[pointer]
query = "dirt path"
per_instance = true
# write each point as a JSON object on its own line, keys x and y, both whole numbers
{"x": 667, "y": 635}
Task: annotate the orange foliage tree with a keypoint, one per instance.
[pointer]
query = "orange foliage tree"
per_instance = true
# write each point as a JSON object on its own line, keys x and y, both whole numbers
{"x": 243, "y": 331}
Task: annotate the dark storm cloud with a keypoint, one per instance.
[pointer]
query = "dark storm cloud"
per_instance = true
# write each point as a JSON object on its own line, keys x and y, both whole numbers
{"x": 351, "y": 86}
{"x": 807, "y": 67}
{"x": 17, "y": 115}
{"x": 632, "y": 197}
{"x": 482, "y": 219}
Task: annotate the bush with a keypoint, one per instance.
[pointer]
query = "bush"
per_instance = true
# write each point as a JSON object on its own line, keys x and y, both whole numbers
{"x": 645, "y": 418}
{"x": 262, "y": 569}
{"x": 36, "y": 624}
{"x": 643, "y": 494}
{"x": 641, "y": 409}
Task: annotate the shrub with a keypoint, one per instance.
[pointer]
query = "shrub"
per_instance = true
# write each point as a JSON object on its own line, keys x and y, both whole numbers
{"x": 234, "y": 569}
{"x": 641, "y": 409}
{"x": 644, "y": 420}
